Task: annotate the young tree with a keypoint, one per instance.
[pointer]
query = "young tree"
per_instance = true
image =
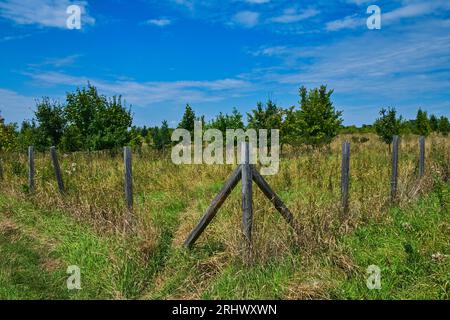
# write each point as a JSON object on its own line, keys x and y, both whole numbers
{"x": 290, "y": 132}
{"x": 318, "y": 121}
{"x": 444, "y": 126}
{"x": 266, "y": 117}
{"x": 225, "y": 121}
{"x": 422, "y": 124}
{"x": 388, "y": 125}
{"x": 434, "y": 123}
{"x": 161, "y": 136}
{"x": 188, "y": 120}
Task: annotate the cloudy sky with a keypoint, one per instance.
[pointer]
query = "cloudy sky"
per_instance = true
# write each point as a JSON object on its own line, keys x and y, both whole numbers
{"x": 216, "y": 55}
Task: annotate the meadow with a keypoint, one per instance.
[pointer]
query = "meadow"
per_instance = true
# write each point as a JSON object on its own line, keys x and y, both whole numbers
{"x": 140, "y": 255}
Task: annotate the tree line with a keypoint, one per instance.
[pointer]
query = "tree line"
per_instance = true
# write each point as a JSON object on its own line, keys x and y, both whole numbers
{"x": 89, "y": 120}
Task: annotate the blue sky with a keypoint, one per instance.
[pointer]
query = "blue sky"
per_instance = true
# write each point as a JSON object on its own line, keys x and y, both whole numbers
{"x": 216, "y": 55}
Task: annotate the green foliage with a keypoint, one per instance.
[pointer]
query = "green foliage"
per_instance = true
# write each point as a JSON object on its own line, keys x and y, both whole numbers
{"x": 8, "y": 137}
{"x": 444, "y": 126}
{"x": 188, "y": 120}
{"x": 318, "y": 121}
{"x": 422, "y": 124}
{"x": 267, "y": 117}
{"x": 97, "y": 122}
{"x": 388, "y": 125}
{"x": 434, "y": 123}
{"x": 161, "y": 136}
{"x": 50, "y": 118}
{"x": 72, "y": 140}
{"x": 225, "y": 121}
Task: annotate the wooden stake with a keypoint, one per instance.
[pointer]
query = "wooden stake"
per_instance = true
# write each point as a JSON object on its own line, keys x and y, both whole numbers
{"x": 128, "y": 177}
{"x": 394, "y": 177}
{"x": 421, "y": 156}
{"x": 247, "y": 199}
{"x": 274, "y": 198}
{"x": 31, "y": 169}
{"x": 214, "y": 207}
{"x": 57, "y": 169}
{"x": 345, "y": 177}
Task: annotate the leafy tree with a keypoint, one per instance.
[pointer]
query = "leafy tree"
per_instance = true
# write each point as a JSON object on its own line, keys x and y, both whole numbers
{"x": 444, "y": 126}
{"x": 72, "y": 140}
{"x": 388, "y": 125}
{"x": 434, "y": 123}
{"x": 188, "y": 120}
{"x": 318, "y": 121}
{"x": 51, "y": 121}
{"x": 99, "y": 123}
{"x": 422, "y": 124}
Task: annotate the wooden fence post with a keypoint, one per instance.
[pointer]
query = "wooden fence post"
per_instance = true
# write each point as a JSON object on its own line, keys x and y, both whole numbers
{"x": 31, "y": 169}
{"x": 128, "y": 177}
{"x": 394, "y": 177}
{"x": 1, "y": 169}
{"x": 57, "y": 169}
{"x": 421, "y": 156}
{"x": 247, "y": 199}
{"x": 345, "y": 177}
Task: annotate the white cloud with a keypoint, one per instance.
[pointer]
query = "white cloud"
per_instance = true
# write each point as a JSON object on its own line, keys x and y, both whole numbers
{"x": 59, "y": 62}
{"x": 410, "y": 9}
{"x": 162, "y": 22}
{"x": 14, "y": 37}
{"x": 348, "y": 22}
{"x": 148, "y": 93}
{"x": 292, "y": 15}
{"x": 415, "y": 10}
{"x": 45, "y": 13}
{"x": 15, "y": 107}
{"x": 271, "y": 51}
{"x": 247, "y": 19}
{"x": 361, "y": 2}
{"x": 257, "y": 1}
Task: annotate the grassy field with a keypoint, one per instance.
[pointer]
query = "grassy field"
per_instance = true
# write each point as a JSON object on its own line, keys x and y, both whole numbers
{"x": 42, "y": 234}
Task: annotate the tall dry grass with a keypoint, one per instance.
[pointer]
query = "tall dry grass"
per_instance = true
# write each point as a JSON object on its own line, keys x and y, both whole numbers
{"x": 170, "y": 199}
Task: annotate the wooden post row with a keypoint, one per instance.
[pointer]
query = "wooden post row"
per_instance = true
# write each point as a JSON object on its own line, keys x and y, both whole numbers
{"x": 31, "y": 169}
{"x": 128, "y": 177}
{"x": 345, "y": 177}
{"x": 394, "y": 176}
{"x": 421, "y": 156}
{"x": 57, "y": 170}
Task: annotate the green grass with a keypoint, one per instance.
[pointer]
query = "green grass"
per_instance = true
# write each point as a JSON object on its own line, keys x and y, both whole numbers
{"x": 40, "y": 245}
{"x": 410, "y": 245}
